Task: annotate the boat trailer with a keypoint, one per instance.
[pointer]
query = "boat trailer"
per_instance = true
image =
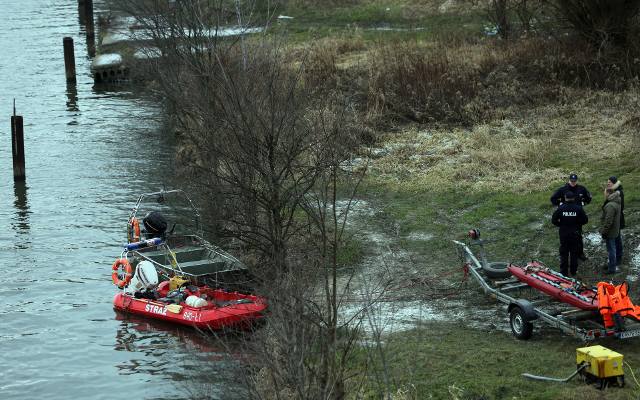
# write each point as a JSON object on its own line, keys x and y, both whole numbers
{"x": 526, "y": 304}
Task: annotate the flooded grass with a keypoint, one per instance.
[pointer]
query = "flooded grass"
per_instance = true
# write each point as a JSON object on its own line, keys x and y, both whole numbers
{"x": 374, "y": 21}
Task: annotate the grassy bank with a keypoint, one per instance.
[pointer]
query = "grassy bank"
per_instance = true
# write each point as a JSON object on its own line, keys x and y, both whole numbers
{"x": 479, "y": 134}
{"x": 472, "y": 132}
{"x": 450, "y": 361}
{"x": 498, "y": 176}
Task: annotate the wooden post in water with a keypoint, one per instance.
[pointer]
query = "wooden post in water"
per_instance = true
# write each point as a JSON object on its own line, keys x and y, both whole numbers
{"x": 91, "y": 37}
{"x": 81, "y": 11}
{"x": 17, "y": 141}
{"x": 69, "y": 59}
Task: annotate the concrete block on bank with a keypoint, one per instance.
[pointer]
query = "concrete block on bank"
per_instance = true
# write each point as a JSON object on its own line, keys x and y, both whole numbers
{"x": 109, "y": 68}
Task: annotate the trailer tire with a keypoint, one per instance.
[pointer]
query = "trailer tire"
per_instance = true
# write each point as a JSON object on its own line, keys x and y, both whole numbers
{"x": 521, "y": 327}
{"x": 496, "y": 270}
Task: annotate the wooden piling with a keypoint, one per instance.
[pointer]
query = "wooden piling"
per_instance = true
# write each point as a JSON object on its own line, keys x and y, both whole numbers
{"x": 88, "y": 14}
{"x": 69, "y": 59}
{"x": 81, "y": 12}
{"x": 89, "y": 26}
{"x": 17, "y": 141}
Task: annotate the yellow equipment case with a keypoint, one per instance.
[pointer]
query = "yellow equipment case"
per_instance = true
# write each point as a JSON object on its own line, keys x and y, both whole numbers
{"x": 604, "y": 366}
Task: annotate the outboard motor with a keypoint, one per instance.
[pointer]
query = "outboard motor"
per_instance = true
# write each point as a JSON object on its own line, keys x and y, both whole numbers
{"x": 155, "y": 224}
{"x": 144, "y": 279}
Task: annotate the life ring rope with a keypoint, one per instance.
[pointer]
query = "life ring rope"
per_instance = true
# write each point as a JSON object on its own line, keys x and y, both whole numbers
{"x": 115, "y": 274}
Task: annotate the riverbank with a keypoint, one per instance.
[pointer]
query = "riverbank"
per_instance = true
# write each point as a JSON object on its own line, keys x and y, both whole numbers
{"x": 431, "y": 183}
{"x": 493, "y": 169}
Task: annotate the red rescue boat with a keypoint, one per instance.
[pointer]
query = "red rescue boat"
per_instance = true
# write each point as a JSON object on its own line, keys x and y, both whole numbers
{"x": 563, "y": 288}
{"x": 215, "y": 309}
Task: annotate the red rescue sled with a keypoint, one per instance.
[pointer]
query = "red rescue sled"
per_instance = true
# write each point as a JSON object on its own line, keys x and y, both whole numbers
{"x": 563, "y": 288}
{"x": 222, "y": 309}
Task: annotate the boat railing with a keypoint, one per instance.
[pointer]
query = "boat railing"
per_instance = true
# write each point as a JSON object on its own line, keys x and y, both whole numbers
{"x": 160, "y": 198}
{"x": 150, "y": 243}
{"x": 143, "y": 251}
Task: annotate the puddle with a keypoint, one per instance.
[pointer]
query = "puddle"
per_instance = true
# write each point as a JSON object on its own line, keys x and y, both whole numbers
{"x": 420, "y": 236}
{"x": 381, "y": 310}
{"x": 634, "y": 265}
{"x": 593, "y": 239}
{"x": 635, "y": 260}
{"x": 389, "y": 316}
{"x": 386, "y": 317}
{"x": 357, "y": 209}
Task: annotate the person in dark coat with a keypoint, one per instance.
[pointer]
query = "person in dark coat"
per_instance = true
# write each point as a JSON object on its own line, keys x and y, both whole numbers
{"x": 610, "y": 226}
{"x": 616, "y": 185}
{"x": 569, "y": 217}
{"x": 581, "y": 196}
{"x": 580, "y": 193}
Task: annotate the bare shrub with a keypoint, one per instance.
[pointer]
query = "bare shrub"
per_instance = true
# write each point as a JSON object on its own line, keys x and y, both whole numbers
{"x": 265, "y": 145}
{"x": 307, "y": 347}
{"x": 465, "y": 83}
{"x": 320, "y": 69}
{"x": 602, "y": 23}
{"x": 420, "y": 84}
{"x": 511, "y": 18}
{"x": 498, "y": 12}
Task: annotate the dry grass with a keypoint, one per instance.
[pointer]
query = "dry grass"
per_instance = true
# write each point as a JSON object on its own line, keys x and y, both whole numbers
{"x": 517, "y": 153}
{"x": 459, "y": 82}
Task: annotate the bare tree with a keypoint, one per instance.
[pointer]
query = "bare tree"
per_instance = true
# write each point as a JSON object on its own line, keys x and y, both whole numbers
{"x": 268, "y": 148}
{"x": 311, "y": 345}
{"x": 241, "y": 115}
{"x": 498, "y": 12}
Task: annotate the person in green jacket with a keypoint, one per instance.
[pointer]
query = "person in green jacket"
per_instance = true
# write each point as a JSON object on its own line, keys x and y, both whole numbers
{"x": 610, "y": 226}
{"x": 616, "y": 185}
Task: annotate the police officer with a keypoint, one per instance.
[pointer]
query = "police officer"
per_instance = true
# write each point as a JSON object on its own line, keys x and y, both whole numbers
{"x": 582, "y": 196}
{"x": 569, "y": 217}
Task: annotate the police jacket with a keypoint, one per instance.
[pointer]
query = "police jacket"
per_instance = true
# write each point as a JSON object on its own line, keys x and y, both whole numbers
{"x": 569, "y": 217}
{"x": 610, "y": 220}
{"x": 580, "y": 192}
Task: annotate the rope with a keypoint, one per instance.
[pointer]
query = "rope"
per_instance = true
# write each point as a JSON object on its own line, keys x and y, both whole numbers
{"x": 633, "y": 375}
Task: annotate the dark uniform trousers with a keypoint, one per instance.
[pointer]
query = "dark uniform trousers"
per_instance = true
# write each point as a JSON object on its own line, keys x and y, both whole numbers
{"x": 570, "y": 246}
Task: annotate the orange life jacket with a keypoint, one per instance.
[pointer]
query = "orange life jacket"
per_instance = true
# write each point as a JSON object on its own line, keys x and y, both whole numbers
{"x": 615, "y": 300}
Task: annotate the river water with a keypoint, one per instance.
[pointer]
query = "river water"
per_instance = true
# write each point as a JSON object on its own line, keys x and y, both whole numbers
{"x": 89, "y": 154}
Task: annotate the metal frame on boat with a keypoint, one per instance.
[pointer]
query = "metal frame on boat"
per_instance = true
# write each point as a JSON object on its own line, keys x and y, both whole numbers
{"x": 201, "y": 282}
{"x": 188, "y": 255}
{"x": 526, "y": 304}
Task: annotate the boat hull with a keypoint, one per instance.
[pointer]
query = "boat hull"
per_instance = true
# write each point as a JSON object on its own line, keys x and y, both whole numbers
{"x": 231, "y": 316}
{"x": 556, "y": 285}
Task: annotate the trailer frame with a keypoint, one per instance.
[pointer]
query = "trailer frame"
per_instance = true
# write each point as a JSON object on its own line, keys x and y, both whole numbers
{"x": 584, "y": 324}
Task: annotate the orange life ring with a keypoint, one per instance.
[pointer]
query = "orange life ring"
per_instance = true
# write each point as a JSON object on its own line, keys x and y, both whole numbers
{"x": 133, "y": 232}
{"x": 128, "y": 272}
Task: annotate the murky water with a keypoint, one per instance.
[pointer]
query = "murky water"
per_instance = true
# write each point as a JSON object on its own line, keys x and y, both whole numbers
{"x": 89, "y": 153}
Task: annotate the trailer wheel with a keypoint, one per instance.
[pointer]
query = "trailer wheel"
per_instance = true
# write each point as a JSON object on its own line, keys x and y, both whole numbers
{"x": 520, "y": 326}
{"x": 496, "y": 270}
